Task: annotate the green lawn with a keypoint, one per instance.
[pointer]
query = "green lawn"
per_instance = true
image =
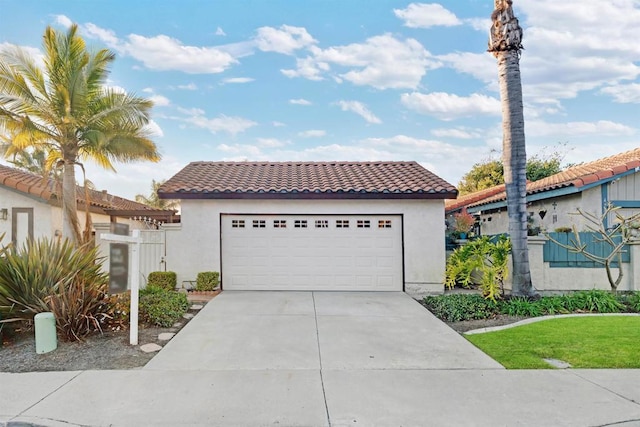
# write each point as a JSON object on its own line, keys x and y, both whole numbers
{"x": 584, "y": 342}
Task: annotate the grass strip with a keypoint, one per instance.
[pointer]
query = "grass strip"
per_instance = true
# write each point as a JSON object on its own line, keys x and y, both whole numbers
{"x": 585, "y": 342}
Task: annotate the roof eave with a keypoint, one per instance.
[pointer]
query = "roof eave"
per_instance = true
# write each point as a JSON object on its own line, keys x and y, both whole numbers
{"x": 306, "y": 196}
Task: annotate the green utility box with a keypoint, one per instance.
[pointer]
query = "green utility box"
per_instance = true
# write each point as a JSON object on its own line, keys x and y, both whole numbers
{"x": 46, "y": 339}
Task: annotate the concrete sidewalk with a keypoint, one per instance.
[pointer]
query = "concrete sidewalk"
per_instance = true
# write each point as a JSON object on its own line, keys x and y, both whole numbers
{"x": 320, "y": 359}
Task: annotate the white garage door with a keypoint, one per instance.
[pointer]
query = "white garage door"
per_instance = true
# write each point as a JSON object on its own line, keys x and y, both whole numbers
{"x": 312, "y": 252}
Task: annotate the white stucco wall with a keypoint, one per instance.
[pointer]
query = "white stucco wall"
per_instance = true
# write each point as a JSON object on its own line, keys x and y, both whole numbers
{"x": 196, "y": 246}
{"x": 42, "y": 218}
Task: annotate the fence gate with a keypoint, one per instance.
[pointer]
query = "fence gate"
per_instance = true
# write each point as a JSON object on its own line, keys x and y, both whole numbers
{"x": 152, "y": 252}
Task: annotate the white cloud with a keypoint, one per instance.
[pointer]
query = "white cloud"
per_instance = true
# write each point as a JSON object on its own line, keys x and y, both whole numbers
{"x": 238, "y": 80}
{"x": 222, "y": 123}
{"x": 360, "y": 109}
{"x": 479, "y": 24}
{"x": 189, "y": 86}
{"x": 63, "y": 20}
{"x": 159, "y": 100}
{"x": 458, "y": 133}
{"x": 107, "y": 36}
{"x": 154, "y": 130}
{"x": 313, "y": 133}
{"x": 307, "y": 68}
{"x": 271, "y": 142}
{"x": 624, "y": 93}
{"x": 600, "y": 128}
{"x": 286, "y": 39}
{"x": 383, "y": 62}
{"x": 447, "y": 106}
{"x": 278, "y": 124}
{"x": 425, "y": 15}
{"x": 299, "y": 101}
{"x": 220, "y": 32}
{"x": 166, "y": 53}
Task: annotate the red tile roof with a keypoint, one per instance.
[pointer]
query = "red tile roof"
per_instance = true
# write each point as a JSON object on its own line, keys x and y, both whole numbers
{"x": 305, "y": 180}
{"x": 468, "y": 199}
{"x": 35, "y": 185}
{"x": 577, "y": 176}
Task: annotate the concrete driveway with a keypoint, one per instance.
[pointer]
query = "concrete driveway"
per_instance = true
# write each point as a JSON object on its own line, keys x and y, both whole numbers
{"x": 317, "y": 330}
{"x": 321, "y": 359}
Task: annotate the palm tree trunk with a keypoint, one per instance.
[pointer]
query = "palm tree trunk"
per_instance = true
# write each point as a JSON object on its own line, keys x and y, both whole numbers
{"x": 70, "y": 223}
{"x": 506, "y": 42}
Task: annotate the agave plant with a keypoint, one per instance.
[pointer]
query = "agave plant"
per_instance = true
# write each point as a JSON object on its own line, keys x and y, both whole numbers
{"x": 51, "y": 276}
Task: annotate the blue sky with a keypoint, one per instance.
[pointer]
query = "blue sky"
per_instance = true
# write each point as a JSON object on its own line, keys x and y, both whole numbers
{"x": 286, "y": 80}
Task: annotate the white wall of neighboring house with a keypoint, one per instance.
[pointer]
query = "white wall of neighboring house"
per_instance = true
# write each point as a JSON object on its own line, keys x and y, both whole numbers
{"x": 195, "y": 245}
{"x": 42, "y": 218}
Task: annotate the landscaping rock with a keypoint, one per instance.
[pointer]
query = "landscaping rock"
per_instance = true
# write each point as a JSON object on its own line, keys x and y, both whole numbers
{"x": 177, "y": 325}
{"x": 197, "y": 307}
{"x": 166, "y": 336}
{"x": 150, "y": 348}
{"x": 560, "y": 364}
{"x": 187, "y": 316}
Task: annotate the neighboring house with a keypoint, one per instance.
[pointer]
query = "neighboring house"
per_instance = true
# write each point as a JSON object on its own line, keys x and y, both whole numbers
{"x": 551, "y": 201}
{"x": 30, "y": 208}
{"x": 366, "y": 226}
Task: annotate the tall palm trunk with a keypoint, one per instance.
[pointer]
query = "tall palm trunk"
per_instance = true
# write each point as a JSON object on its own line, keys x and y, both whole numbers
{"x": 505, "y": 42}
{"x": 70, "y": 223}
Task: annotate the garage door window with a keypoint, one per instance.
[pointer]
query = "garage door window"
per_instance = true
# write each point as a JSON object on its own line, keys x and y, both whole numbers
{"x": 322, "y": 223}
{"x": 342, "y": 223}
{"x": 259, "y": 223}
{"x": 237, "y": 223}
{"x": 279, "y": 223}
{"x": 300, "y": 223}
{"x": 384, "y": 223}
{"x": 364, "y": 223}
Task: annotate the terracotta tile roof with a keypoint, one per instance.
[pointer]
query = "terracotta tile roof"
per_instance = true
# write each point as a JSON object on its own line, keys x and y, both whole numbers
{"x": 35, "y": 185}
{"x": 468, "y": 199}
{"x": 577, "y": 176}
{"x": 306, "y": 180}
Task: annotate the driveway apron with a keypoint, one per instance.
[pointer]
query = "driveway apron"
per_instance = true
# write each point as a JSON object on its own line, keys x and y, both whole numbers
{"x": 313, "y": 330}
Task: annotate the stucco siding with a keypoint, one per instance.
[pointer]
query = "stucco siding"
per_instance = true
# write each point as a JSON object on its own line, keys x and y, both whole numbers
{"x": 197, "y": 247}
{"x": 42, "y": 218}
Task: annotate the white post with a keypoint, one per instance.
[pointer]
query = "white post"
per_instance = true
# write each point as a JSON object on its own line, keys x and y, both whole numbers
{"x": 135, "y": 286}
{"x": 134, "y": 241}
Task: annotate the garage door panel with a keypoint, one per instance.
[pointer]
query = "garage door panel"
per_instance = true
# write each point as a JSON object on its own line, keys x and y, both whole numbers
{"x": 346, "y": 252}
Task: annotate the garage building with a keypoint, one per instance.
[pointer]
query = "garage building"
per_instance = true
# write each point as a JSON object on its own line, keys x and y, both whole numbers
{"x": 335, "y": 226}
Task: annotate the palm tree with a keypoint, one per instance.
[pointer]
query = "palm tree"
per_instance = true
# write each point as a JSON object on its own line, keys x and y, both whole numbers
{"x": 153, "y": 200}
{"x": 505, "y": 42}
{"x": 65, "y": 108}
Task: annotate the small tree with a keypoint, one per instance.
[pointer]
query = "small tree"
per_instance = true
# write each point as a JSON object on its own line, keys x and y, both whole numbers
{"x": 617, "y": 237}
{"x": 483, "y": 258}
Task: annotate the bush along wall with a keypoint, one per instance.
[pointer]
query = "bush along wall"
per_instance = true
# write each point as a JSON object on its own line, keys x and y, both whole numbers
{"x": 207, "y": 281}
{"x": 167, "y": 280}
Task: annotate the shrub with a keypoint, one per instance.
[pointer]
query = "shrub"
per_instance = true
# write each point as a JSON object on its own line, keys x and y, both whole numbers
{"x": 553, "y": 305}
{"x": 163, "y": 279}
{"x": 594, "y": 301}
{"x": 207, "y": 280}
{"x": 118, "y": 307}
{"x": 161, "y": 307}
{"x": 521, "y": 307}
{"x": 51, "y": 276}
{"x": 484, "y": 257}
{"x": 630, "y": 300}
{"x": 458, "y": 307}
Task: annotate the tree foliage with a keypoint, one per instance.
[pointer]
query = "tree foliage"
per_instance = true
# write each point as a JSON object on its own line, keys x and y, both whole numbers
{"x": 490, "y": 172}
{"x": 152, "y": 200}
{"x": 66, "y": 109}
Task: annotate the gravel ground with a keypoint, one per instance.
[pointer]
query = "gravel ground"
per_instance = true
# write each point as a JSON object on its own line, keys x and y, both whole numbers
{"x": 109, "y": 350}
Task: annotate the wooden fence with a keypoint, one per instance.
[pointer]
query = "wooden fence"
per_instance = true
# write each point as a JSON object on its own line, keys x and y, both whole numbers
{"x": 559, "y": 257}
